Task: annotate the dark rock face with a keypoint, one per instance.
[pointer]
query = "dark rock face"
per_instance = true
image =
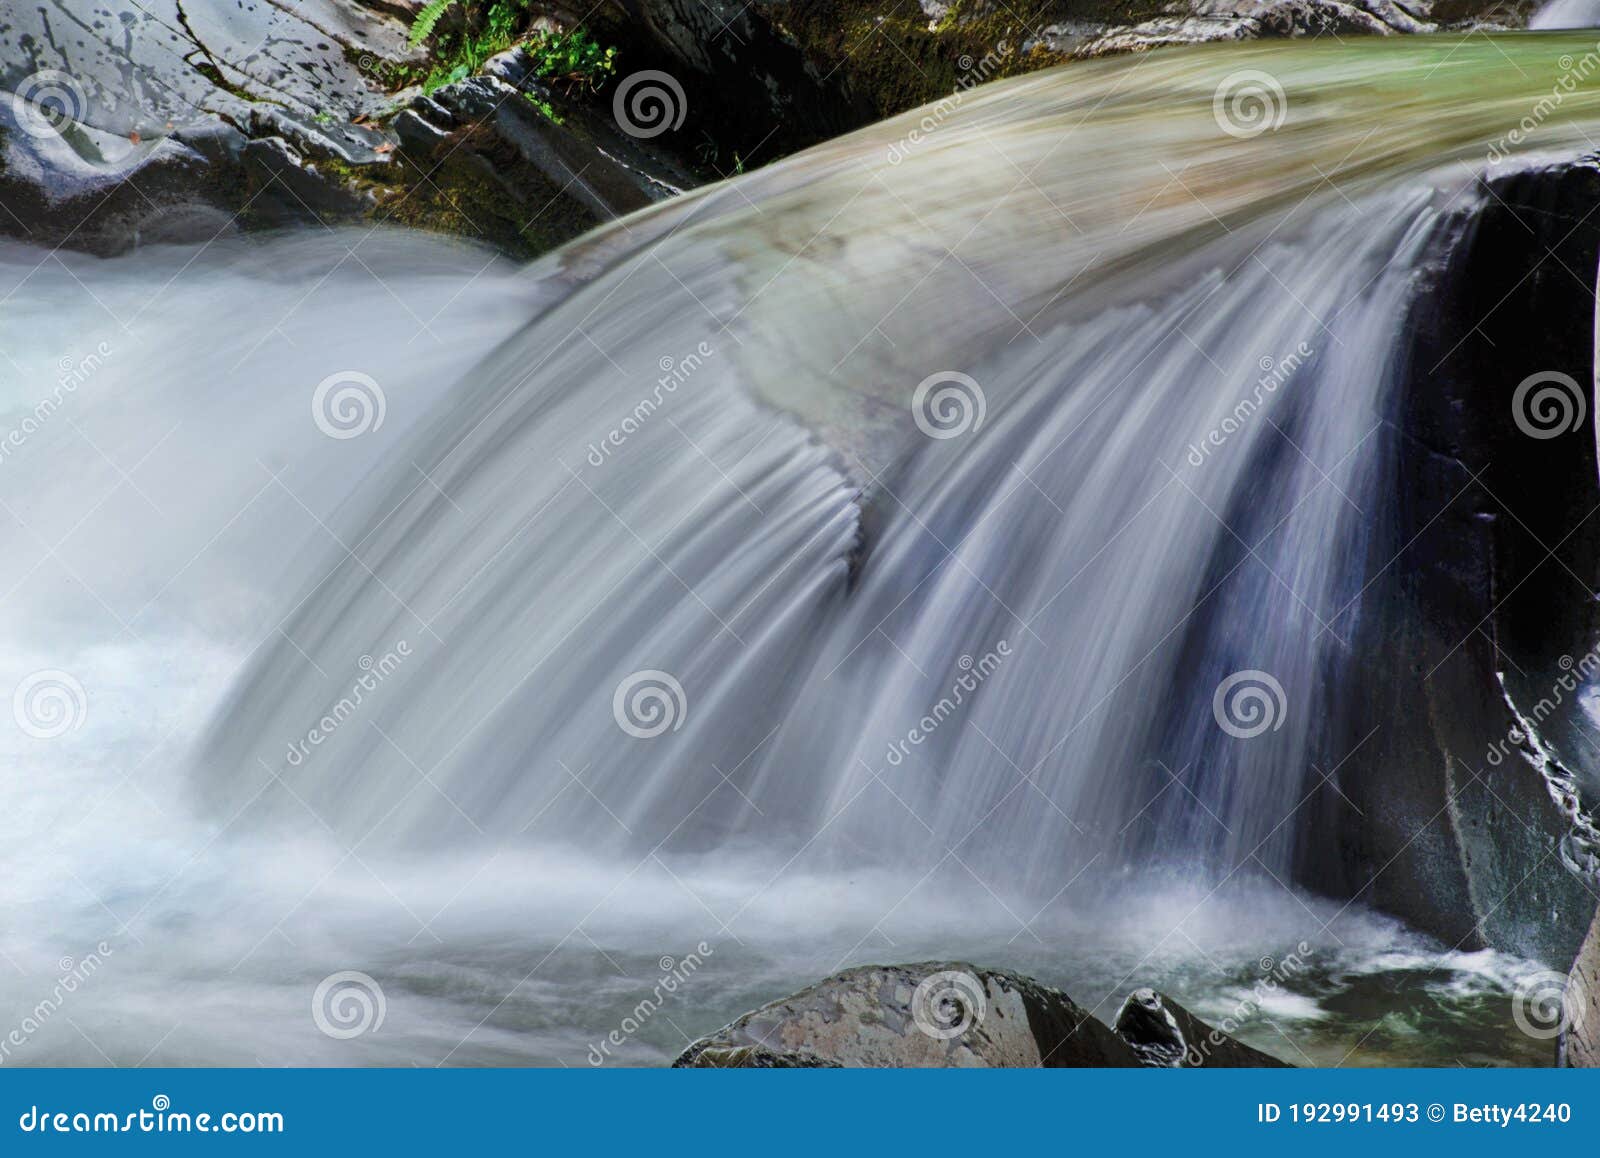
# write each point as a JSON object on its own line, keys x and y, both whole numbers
{"x": 1166, "y": 1035}
{"x": 1474, "y": 640}
{"x": 776, "y": 75}
{"x": 939, "y": 1014}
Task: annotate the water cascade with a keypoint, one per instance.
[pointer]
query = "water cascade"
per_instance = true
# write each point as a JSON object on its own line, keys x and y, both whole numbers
{"x": 975, "y": 516}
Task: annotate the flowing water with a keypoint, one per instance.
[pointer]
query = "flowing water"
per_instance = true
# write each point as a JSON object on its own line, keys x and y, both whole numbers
{"x": 500, "y": 634}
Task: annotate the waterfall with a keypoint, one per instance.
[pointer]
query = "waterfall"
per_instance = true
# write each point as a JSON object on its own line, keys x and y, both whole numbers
{"x": 960, "y": 539}
{"x": 1084, "y": 599}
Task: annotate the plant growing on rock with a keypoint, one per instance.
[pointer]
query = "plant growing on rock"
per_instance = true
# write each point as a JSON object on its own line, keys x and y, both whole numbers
{"x": 571, "y": 60}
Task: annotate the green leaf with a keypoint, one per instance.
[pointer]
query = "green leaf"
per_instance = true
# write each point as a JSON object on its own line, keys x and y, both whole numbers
{"x": 427, "y": 19}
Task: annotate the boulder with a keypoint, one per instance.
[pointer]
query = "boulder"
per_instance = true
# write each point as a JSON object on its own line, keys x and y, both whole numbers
{"x": 1166, "y": 1035}
{"x": 178, "y": 125}
{"x": 1465, "y": 811}
{"x": 932, "y": 1014}
{"x": 955, "y": 1014}
{"x": 1579, "y": 1045}
{"x": 144, "y": 119}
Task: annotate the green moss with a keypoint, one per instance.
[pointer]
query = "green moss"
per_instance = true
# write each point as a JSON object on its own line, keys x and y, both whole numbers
{"x": 546, "y": 109}
{"x": 897, "y": 61}
{"x": 457, "y": 192}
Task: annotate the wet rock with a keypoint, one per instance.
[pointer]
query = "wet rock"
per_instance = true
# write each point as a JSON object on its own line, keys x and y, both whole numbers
{"x": 933, "y": 1014}
{"x": 155, "y": 113}
{"x": 529, "y": 168}
{"x": 1579, "y": 1045}
{"x": 1166, "y": 1035}
{"x": 92, "y": 187}
{"x": 773, "y": 78}
{"x": 752, "y": 1057}
{"x": 269, "y": 114}
{"x": 1467, "y": 809}
{"x": 276, "y": 165}
{"x": 417, "y": 133}
{"x": 517, "y": 173}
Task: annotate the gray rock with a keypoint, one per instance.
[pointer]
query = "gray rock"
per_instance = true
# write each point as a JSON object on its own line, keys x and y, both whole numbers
{"x": 152, "y": 104}
{"x": 583, "y": 159}
{"x": 1166, "y": 1035}
{"x": 933, "y": 1014}
{"x": 309, "y": 195}
{"x": 162, "y": 118}
{"x": 1579, "y": 1045}
{"x": 418, "y": 134}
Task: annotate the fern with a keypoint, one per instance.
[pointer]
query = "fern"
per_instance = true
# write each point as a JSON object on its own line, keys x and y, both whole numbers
{"x": 427, "y": 19}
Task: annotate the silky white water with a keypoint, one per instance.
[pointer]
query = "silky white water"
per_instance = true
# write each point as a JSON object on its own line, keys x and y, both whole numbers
{"x": 291, "y": 467}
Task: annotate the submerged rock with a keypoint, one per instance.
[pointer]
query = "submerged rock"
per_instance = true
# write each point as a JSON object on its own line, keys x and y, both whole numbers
{"x": 1166, "y": 1035}
{"x": 945, "y": 1014}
